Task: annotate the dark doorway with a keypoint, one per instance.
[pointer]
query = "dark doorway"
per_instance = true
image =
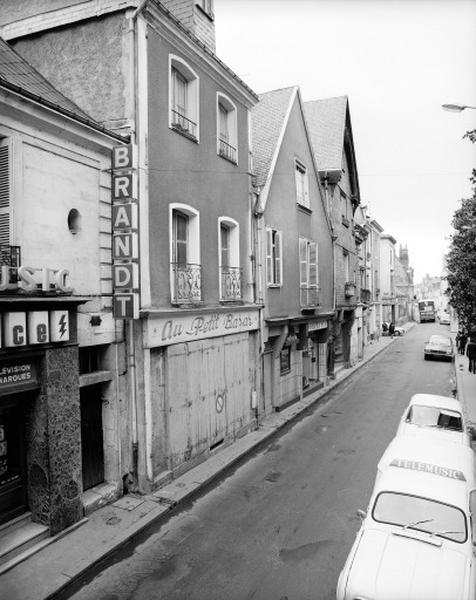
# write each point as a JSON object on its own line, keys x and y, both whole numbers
{"x": 92, "y": 450}
{"x": 13, "y": 500}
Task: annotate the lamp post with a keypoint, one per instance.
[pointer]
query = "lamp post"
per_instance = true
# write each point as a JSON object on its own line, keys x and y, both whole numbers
{"x": 456, "y": 107}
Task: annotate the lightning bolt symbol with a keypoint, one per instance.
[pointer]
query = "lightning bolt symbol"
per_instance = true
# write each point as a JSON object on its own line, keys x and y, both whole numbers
{"x": 62, "y": 324}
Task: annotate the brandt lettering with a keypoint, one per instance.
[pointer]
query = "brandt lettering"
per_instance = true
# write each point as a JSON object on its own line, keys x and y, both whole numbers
{"x": 416, "y": 465}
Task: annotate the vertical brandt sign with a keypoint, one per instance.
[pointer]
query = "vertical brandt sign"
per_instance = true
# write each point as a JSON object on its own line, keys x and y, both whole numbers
{"x": 125, "y": 237}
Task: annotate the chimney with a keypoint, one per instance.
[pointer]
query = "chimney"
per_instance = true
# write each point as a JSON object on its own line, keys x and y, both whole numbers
{"x": 197, "y": 16}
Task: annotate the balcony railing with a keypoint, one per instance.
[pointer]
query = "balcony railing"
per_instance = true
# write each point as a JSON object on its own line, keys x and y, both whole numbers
{"x": 187, "y": 283}
{"x": 309, "y": 297}
{"x": 365, "y": 295}
{"x": 183, "y": 124}
{"x": 10, "y": 257}
{"x": 349, "y": 289}
{"x": 226, "y": 150}
{"x": 230, "y": 283}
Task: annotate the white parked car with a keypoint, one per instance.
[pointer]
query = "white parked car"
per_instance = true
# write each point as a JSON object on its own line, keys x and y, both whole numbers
{"x": 444, "y": 318}
{"x": 431, "y": 414}
{"x": 439, "y": 346}
{"x": 416, "y": 541}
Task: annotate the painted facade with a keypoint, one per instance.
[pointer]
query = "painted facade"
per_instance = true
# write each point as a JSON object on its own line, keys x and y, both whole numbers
{"x": 193, "y": 352}
{"x": 331, "y": 134}
{"x": 60, "y": 348}
{"x": 296, "y": 275}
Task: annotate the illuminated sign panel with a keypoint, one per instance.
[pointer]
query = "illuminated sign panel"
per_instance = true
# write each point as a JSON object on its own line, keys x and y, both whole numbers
{"x": 59, "y": 325}
{"x": 38, "y": 327}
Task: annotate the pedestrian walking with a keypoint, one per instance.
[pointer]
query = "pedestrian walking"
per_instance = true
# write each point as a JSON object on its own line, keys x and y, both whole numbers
{"x": 471, "y": 354}
{"x": 461, "y": 340}
{"x": 391, "y": 329}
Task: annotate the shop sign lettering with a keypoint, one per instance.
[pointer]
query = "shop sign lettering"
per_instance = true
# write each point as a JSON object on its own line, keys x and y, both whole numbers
{"x": 163, "y": 331}
{"x": 34, "y": 280}
{"x": 17, "y": 375}
{"x": 35, "y": 327}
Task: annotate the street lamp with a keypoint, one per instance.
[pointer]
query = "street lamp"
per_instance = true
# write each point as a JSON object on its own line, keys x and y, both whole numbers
{"x": 456, "y": 107}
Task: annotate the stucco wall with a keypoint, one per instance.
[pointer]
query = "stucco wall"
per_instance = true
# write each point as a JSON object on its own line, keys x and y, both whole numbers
{"x": 184, "y": 171}
{"x": 283, "y": 213}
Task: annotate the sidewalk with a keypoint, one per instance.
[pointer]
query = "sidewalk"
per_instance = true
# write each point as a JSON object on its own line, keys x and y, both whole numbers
{"x": 62, "y": 560}
{"x": 466, "y": 389}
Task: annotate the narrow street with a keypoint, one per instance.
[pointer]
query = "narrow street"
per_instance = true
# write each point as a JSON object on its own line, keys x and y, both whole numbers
{"x": 280, "y": 526}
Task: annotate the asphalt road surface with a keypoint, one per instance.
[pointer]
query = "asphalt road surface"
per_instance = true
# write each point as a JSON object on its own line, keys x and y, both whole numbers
{"x": 280, "y": 526}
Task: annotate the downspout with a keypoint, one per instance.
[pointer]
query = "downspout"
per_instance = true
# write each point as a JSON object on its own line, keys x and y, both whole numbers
{"x": 258, "y": 274}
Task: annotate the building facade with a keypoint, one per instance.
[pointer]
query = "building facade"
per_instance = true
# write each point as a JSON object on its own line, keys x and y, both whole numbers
{"x": 295, "y": 251}
{"x": 60, "y": 382}
{"x": 387, "y": 277}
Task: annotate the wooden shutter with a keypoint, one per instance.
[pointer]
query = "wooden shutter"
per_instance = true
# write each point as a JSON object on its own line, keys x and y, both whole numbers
{"x": 278, "y": 265}
{"x": 306, "y": 189}
{"x": 303, "y": 270}
{"x": 313, "y": 274}
{"x": 5, "y": 192}
{"x": 269, "y": 257}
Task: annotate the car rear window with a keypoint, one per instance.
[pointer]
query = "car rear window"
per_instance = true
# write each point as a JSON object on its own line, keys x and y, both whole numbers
{"x": 430, "y": 416}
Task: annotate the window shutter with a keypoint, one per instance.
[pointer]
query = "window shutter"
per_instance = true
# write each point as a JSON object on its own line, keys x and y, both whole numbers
{"x": 313, "y": 273}
{"x": 4, "y": 192}
{"x": 303, "y": 270}
{"x": 299, "y": 191}
{"x": 278, "y": 265}
{"x": 269, "y": 256}
{"x": 306, "y": 189}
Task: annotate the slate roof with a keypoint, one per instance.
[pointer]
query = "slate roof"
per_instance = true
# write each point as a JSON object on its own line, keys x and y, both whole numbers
{"x": 267, "y": 123}
{"x": 18, "y": 75}
{"x": 326, "y": 122}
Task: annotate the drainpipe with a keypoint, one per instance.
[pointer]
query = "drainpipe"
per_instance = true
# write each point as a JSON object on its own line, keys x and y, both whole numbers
{"x": 258, "y": 275}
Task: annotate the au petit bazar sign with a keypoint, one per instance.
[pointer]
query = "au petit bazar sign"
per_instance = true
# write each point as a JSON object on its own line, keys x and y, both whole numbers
{"x": 187, "y": 328}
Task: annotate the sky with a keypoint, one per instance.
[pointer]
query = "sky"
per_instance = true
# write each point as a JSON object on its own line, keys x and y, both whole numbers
{"x": 397, "y": 61}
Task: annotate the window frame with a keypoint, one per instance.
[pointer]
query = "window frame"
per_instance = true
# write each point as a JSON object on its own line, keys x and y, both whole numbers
{"x": 301, "y": 177}
{"x": 193, "y": 237}
{"x": 274, "y": 258}
{"x": 192, "y": 99}
{"x": 229, "y": 107}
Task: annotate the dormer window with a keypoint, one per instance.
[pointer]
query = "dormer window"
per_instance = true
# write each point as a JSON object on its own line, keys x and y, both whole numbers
{"x": 183, "y": 99}
{"x": 227, "y": 135}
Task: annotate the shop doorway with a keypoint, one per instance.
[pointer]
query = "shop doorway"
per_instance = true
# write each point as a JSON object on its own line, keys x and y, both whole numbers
{"x": 92, "y": 449}
{"x": 13, "y": 496}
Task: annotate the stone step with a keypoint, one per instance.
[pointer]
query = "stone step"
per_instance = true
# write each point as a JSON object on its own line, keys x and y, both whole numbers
{"x": 20, "y": 537}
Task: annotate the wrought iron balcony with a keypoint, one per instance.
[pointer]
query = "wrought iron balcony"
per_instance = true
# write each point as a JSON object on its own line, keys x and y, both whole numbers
{"x": 183, "y": 124}
{"x": 349, "y": 289}
{"x": 187, "y": 283}
{"x": 309, "y": 297}
{"x": 226, "y": 150}
{"x": 10, "y": 257}
{"x": 231, "y": 283}
{"x": 365, "y": 295}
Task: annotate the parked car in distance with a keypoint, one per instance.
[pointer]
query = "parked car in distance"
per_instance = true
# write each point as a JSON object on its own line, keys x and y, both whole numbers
{"x": 416, "y": 538}
{"x": 434, "y": 416}
{"x": 439, "y": 346}
{"x": 444, "y": 318}
{"x": 398, "y": 330}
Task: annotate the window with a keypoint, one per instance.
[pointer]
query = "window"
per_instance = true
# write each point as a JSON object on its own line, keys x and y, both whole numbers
{"x": 274, "y": 267}
{"x": 285, "y": 360}
{"x": 302, "y": 184}
{"x": 346, "y": 266}
{"x": 344, "y": 207}
{"x": 185, "y": 268}
{"x": 183, "y": 98}
{"x": 308, "y": 273}
{"x": 229, "y": 260}
{"x": 227, "y": 142}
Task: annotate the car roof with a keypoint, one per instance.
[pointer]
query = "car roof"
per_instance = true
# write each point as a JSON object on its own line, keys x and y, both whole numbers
{"x": 426, "y": 485}
{"x": 446, "y": 402}
{"x": 439, "y": 338}
{"x": 419, "y": 458}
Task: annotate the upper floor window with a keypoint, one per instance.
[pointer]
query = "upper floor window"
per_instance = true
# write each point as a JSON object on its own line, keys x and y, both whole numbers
{"x": 308, "y": 273}
{"x": 183, "y": 98}
{"x": 230, "y": 275}
{"x": 5, "y": 191}
{"x": 346, "y": 266}
{"x": 302, "y": 184}
{"x": 227, "y": 138}
{"x": 344, "y": 207}
{"x": 206, "y": 6}
{"x": 274, "y": 266}
{"x": 185, "y": 268}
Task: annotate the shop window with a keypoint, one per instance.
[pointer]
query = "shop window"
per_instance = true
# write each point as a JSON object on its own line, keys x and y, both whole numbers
{"x": 285, "y": 360}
